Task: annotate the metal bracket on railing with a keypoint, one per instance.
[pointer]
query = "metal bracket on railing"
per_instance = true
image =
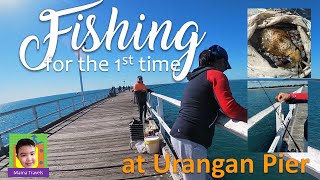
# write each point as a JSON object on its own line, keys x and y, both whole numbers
{"x": 35, "y": 116}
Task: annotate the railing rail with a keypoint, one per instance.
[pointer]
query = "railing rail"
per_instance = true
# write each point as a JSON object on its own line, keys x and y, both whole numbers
{"x": 97, "y": 96}
{"x": 238, "y": 128}
{"x": 45, "y": 103}
{"x": 262, "y": 114}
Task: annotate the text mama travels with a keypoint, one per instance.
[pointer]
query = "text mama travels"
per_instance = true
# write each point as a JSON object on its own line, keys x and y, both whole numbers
{"x": 122, "y": 27}
{"x": 24, "y": 172}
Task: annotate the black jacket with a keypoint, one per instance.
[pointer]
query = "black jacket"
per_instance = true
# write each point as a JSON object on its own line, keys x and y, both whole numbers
{"x": 205, "y": 96}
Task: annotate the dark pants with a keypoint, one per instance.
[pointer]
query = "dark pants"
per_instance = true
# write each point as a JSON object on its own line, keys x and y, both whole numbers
{"x": 142, "y": 110}
{"x": 141, "y": 97}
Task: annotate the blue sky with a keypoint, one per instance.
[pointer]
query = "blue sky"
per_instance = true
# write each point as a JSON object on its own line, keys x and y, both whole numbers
{"x": 225, "y": 23}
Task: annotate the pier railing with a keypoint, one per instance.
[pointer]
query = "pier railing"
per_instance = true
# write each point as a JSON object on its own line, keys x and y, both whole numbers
{"x": 281, "y": 121}
{"x": 235, "y": 127}
{"x": 74, "y": 106}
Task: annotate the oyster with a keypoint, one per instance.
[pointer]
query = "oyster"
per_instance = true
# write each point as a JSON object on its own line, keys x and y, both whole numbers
{"x": 278, "y": 43}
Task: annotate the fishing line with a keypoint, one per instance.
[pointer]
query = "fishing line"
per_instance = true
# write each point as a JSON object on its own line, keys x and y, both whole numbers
{"x": 268, "y": 99}
{"x": 286, "y": 127}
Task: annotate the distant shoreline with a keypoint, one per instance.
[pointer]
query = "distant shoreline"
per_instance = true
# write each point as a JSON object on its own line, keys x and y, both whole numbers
{"x": 275, "y": 87}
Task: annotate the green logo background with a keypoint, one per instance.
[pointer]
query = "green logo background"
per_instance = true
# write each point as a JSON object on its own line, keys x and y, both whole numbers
{"x": 37, "y": 138}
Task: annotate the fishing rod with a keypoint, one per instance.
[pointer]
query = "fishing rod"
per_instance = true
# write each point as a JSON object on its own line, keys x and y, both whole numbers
{"x": 286, "y": 127}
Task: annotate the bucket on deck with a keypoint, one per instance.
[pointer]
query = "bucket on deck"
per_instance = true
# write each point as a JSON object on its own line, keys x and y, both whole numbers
{"x": 152, "y": 144}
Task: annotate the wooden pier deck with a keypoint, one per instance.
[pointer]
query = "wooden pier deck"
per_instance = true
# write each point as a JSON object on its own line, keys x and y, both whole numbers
{"x": 296, "y": 126}
{"x": 93, "y": 143}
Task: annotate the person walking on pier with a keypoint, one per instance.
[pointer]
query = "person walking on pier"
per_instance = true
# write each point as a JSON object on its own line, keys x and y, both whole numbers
{"x": 205, "y": 97}
{"x": 140, "y": 92}
{"x": 294, "y": 98}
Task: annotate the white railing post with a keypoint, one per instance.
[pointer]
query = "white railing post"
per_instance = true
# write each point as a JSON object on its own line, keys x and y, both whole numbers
{"x": 160, "y": 113}
{"x": 73, "y": 108}
{"x": 1, "y": 142}
{"x": 279, "y": 127}
{"x": 59, "y": 108}
{"x": 83, "y": 101}
{"x": 150, "y": 103}
{"x": 160, "y": 107}
{"x": 35, "y": 114}
{"x": 279, "y": 117}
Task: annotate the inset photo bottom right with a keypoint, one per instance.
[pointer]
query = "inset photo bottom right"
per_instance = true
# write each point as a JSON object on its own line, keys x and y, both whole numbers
{"x": 314, "y": 116}
{"x": 278, "y": 113}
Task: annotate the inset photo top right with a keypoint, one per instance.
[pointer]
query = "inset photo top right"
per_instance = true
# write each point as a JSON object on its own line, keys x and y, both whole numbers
{"x": 279, "y": 43}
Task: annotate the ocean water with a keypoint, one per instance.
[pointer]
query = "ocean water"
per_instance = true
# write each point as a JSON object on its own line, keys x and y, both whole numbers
{"x": 314, "y": 114}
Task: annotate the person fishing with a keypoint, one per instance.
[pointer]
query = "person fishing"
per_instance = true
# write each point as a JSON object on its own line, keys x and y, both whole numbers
{"x": 140, "y": 92}
{"x": 205, "y": 97}
{"x": 294, "y": 98}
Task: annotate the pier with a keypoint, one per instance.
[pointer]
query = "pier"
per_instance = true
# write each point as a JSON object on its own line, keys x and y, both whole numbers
{"x": 93, "y": 143}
